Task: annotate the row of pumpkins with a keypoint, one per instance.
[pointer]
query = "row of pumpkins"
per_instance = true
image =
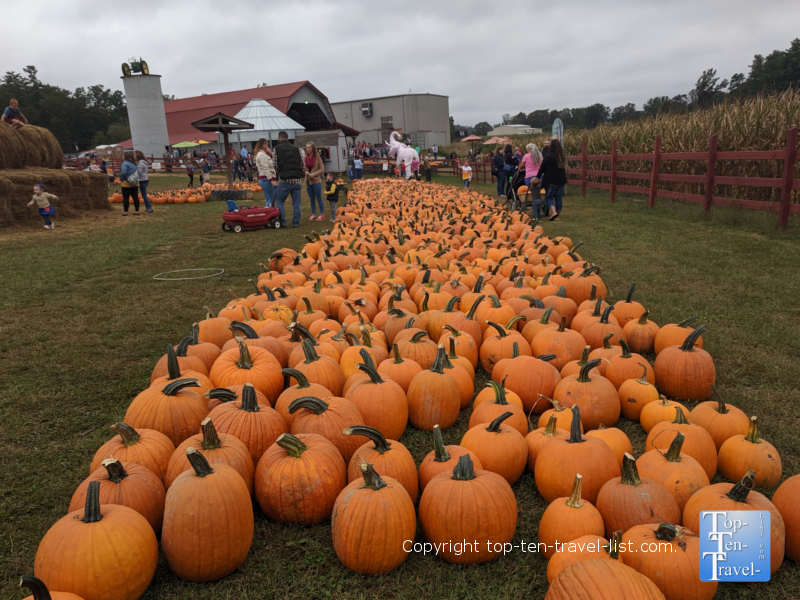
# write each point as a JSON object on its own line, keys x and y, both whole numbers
{"x": 196, "y": 195}
{"x": 297, "y": 395}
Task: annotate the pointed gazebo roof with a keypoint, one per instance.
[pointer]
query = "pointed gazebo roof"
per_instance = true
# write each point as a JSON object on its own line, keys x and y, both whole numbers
{"x": 266, "y": 117}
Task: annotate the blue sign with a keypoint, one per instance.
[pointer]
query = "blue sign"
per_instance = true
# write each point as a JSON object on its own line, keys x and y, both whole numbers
{"x": 734, "y": 545}
{"x": 558, "y": 131}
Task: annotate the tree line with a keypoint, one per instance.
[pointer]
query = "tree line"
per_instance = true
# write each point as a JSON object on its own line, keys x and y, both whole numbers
{"x": 776, "y": 72}
{"x": 79, "y": 119}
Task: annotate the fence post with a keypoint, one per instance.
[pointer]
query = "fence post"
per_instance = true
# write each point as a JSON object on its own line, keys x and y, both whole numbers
{"x": 712, "y": 163}
{"x": 613, "y": 171}
{"x": 654, "y": 176}
{"x": 788, "y": 176}
{"x": 583, "y": 168}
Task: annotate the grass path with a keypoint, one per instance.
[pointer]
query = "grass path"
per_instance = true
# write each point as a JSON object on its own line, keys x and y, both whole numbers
{"x": 83, "y": 322}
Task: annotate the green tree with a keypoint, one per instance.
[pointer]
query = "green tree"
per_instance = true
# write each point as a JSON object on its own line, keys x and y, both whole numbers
{"x": 168, "y": 97}
{"x": 519, "y": 119}
{"x": 482, "y": 128}
{"x": 539, "y": 118}
{"x": 708, "y": 90}
{"x": 626, "y": 112}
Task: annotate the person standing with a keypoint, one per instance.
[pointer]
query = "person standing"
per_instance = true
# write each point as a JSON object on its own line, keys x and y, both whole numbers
{"x": 13, "y": 116}
{"x": 426, "y": 166}
{"x": 531, "y": 162}
{"x": 289, "y": 170}
{"x": 510, "y": 166}
{"x": 358, "y": 166}
{"x": 144, "y": 180}
{"x": 244, "y": 152}
{"x": 553, "y": 173}
{"x": 546, "y": 149}
{"x": 497, "y": 171}
{"x": 435, "y": 151}
{"x": 267, "y": 179}
{"x": 129, "y": 178}
{"x": 415, "y": 168}
{"x": 332, "y": 194}
{"x": 466, "y": 173}
{"x": 190, "y": 172}
{"x": 315, "y": 168}
{"x": 205, "y": 167}
{"x": 42, "y": 201}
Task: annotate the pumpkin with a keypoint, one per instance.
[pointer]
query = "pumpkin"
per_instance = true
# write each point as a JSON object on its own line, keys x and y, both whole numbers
{"x": 587, "y": 286}
{"x": 721, "y": 420}
{"x": 743, "y": 452}
{"x": 785, "y": 500}
{"x": 567, "y": 519}
{"x": 564, "y": 305}
{"x": 171, "y": 364}
{"x": 559, "y": 460}
{"x": 174, "y": 410}
{"x": 635, "y": 394}
{"x": 328, "y": 418}
{"x": 698, "y": 443}
{"x": 321, "y": 369}
{"x": 465, "y": 504}
{"x": 597, "y": 397}
{"x": 434, "y": 397}
{"x": 112, "y": 551}
{"x": 382, "y": 403}
{"x": 486, "y": 412}
{"x": 680, "y": 474}
{"x": 465, "y": 380}
{"x": 586, "y": 547}
{"x": 299, "y": 478}
{"x": 674, "y": 565}
{"x": 685, "y": 371}
{"x": 674, "y": 335}
{"x": 463, "y": 344}
{"x": 217, "y": 449}
{"x": 127, "y": 484}
{"x": 256, "y": 425}
{"x": 200, "y": 541}
{"x": 562, "y": 414}
{"x": 245, "y": 364}
{"x": 372, "y": 518}
{"x": 500, "y": 448}
{"x": 419, "y": 348}
{"x": 441, "y": 459}
{"x": 205, "y": 351}
{"x": 388, "y": 458}
{"x": 616, "y": 439}
{"x": 538, "y": 437}
{"x": 466, "y": 323}
{"x": 40, "y": 591}
{"x": 532, "y": 378}
{"x": 399, "y": 369}
{"x": 641, "y": 334}
{"x": 547, "y": 320}
{"x": 738, "y": 496}
{"x": 630, "y": 500}
{"x": 214, "y": 330}
{"x": 606, "y": 353}
{"x": 301, "y": 389}
{"x": 146, "y": 447}
{"x": 566, "y": 344}
{"x": 627, "y": 366}
{"x": 487, "y": 394}
{"x": 601, "y": 579}
{"x": 654, "y": 413}
{"x": 497, "y": 347}
{"x": 628, "y": 309}
{"x": 574, "y": 366}
{"x": 595, "y": 331}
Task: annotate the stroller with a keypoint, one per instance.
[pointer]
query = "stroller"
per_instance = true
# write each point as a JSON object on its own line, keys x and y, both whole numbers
{"x": 513, "y": 200}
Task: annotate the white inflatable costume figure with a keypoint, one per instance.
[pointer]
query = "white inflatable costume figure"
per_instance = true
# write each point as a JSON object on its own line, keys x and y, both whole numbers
{"x": 402, "y": 152}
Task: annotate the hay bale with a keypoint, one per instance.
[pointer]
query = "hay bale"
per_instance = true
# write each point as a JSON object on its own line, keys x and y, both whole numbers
{"x": 30, "y": 146}
{"x": 77, "y": 191}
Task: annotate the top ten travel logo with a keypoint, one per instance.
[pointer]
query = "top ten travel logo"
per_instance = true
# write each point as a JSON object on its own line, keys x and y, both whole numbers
{"x": 734, "y": 545}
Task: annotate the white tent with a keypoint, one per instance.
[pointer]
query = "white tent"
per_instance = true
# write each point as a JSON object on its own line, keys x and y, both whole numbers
{"x": 267, "y": 121}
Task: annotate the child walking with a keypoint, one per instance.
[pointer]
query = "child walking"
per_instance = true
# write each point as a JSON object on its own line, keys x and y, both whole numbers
{"x": 42, "y": 200}
{"x": 332, "y": 194}
{"x": 190, "y": 173}
{"x": 466, "y": 173}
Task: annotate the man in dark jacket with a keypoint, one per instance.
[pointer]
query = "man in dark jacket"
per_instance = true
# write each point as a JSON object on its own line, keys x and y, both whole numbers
{"x": 289, "y": 169}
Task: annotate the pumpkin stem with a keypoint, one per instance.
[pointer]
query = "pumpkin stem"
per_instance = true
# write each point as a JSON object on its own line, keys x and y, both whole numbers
{"x": 739, "y": 491}
{"x": 381, "y": 443}
{"x": 584, "y": 356}
{"x": 302, "y": 380}
{"x": 691, "y": 339}
{"x": 173, "y": 387}
{"x": 575, "y": 436}
{"x": 494, "y": 426}
{"x": 680, "y": 418}
{"x": 116, "y": 472}
{"x": 221, "y": 394}
{"x": 372, "y": 480}
{"x": 613, "y": 545}
{"x": 244, "y": 362}
{"x": 499, "y": 393}
{"x": 626, "y": 350}
{"x": 173, "y": 368}
{"x": 598, "y": 308}
{"x": 438, "y": 363}
{"x": 127, "y": 433}
{"x": 722, "y": 408}
{"x": 91, "y": 509}
{"x": 583, "y": 376}
{"x": 546, "y": 357}
{"x": 365, "y": 338}
{"x": 474, "y": 307}
{"x": 643, "y": 318}
{"x": 371, "y": 372}
{"x": 37, "y": 587}
{"x": 440, "y": 453}
{"x": 244, "y": 330}
{"x": 464, "y": 469}
{"x": 752, "y": 435}
{"x": 417, "y": 337}
{"x": 211, "y": 439}
{"x": 500, "y": 330}
{"x": 629, "y": 297}
{"x": 563, "y": 324}
{"x": 249, "y": 398}
{"x": 630, "y": 474}
{"x": 606, "y": 313}
{"x": 593, "y": 293}
{"x": 574, "y": 501}
{"x": 687, "y": 322}
{"x": 550, "y": 428}
{"x": 294, "y": 446}
{"x": 674, "y": 452}
{"x": 667, "y": 532}
{"x": 309, "y": 351}
{"x": 310, "y": 402}
{"x": 199, "y": 462}
{"x": 396, "y": 352}
{"x": 606, "y": 345}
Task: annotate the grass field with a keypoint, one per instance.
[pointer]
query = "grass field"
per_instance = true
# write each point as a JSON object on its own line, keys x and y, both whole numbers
{"x": 83, "y": 322}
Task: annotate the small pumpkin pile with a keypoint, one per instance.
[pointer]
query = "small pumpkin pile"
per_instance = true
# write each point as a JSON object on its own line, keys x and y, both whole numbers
{"x": 296, "y": 396}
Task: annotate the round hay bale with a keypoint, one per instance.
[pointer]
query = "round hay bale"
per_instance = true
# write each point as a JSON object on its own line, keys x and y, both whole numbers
{"x": 30, "y": 146}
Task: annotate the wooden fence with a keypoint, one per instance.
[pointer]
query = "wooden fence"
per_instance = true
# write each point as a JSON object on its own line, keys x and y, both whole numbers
{"x": 786, "y": 183}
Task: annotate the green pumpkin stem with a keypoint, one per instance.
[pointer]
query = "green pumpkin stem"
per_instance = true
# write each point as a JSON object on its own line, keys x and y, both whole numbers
{"x": 575, "y": 436}
{"x": 629, "y": 297}
{"x": 584, "y": 356}
{"x": 294, "y": 446}
{"x": 245, "y": 330}
{"x": 91, "y": 509}
{"x": 626, "y": 351}
{"x": 574, "y": 500}
{"x": 583, "y": 376}
{"x": 606, "y": 314}
{"x": 173, "y": 387}
{"x": 438, "y": 362}
{"x": 499, "y": 393}
{"x": 494, "y": 426}
{"x": 464, "y": 469}
{"x": 311, "y": 403}
{"x": 116, "y": 472}
{"x": 211, "y": 439}
{"x": 563, "y": 324}
{"x": 614, "y": 544}
{"x": 440, "y": 453}
{"x": 680, "y": 418}
{"x": 722, "y": 408}
{"x": 372, "y": 481}
{"x": 630, "y": 474}
{"x": 302, "y": 380}
{"x": 606, "y": 339}
{"x": 199, "y": 462}
{"x": 691, "y": 339}
{"x": 687, "y": 322}
{"x": 500, "y": 330}
{"x": 550, "y": 430}
{"x": 514, "y": 320}
{"x": 474, "y": 307}
{"x": 643, "y": 318}
{"x": 309, "y": 351}
{"x": 752, "y": 434}
{"x": 221, "y": 394}
{"x": 127, "y": 434}
{"x": 739, "y": 491}
{"x": 249, "y": 398}
{"x": 381, "y": 443}
{"x": 173, "y": 368}
{"x": 371, "y": 372}
{"x": 37, "y": 587}
{"x": 244, "y": 362}
{"x": 667, "y": 532}
{"x": 195, "y": 334}
{"x": 674, "y": 452}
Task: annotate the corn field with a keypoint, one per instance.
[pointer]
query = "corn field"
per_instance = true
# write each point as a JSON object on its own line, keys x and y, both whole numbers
{"x": 759, "y": 123}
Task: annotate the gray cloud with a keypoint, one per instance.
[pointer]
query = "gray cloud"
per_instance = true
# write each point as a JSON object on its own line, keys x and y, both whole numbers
{"x": 489, "y": 58}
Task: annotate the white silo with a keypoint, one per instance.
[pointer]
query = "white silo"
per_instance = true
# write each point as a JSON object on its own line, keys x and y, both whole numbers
{"x": 146, "y": 114}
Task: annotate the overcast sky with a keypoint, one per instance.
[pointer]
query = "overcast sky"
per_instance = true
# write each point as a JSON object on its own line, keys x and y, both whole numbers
{"x": 488, "y": 57}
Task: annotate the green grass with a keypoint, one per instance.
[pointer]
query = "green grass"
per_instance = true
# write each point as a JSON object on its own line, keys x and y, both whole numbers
{"x": 83, "y": 323}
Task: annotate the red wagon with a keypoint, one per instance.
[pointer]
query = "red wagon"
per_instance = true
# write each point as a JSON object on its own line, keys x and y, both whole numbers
{"x": 238, "y": 218}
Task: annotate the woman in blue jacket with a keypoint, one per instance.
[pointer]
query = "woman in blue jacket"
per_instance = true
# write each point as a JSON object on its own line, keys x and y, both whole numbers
{"x": 129, "y": 190}
{"x": 497, "y": 171}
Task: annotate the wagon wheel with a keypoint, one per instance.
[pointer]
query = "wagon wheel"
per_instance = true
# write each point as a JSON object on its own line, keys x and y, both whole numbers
{"x": 145, "y": 68}
{"x": 238, "y": 228}
{"x": 126, "y": 69}
{"x": 226, "y": 227}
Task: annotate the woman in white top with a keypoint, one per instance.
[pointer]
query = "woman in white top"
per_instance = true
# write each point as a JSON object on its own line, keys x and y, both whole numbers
{"x": 265, "y": 164}
{"x": 141, "y": 167}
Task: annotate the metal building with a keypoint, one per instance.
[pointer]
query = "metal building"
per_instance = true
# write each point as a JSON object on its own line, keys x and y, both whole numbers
{"x": 424, "y": 118}
{"x": 146, "y": 114}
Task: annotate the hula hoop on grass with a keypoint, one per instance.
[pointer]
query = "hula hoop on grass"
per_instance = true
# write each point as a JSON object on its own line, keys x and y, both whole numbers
{"x": 158, "y": 277}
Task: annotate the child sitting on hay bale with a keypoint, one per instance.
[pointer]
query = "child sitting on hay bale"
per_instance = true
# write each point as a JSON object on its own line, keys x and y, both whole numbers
{"x": 13, "y": 116}
{"x": 42, "y": 200}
